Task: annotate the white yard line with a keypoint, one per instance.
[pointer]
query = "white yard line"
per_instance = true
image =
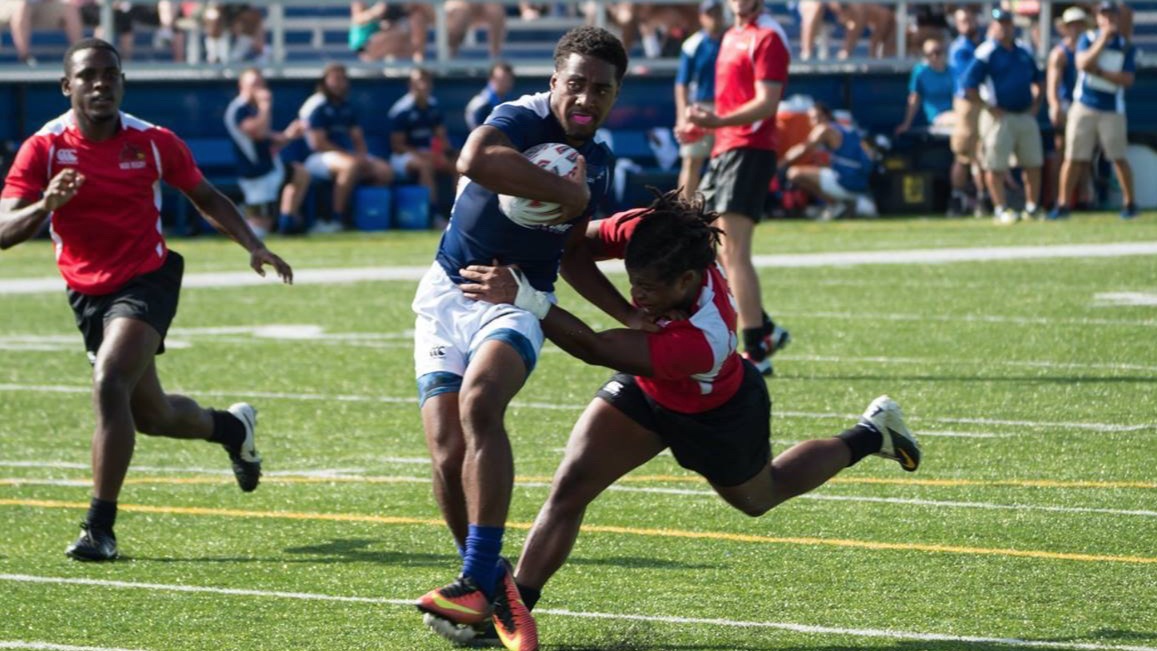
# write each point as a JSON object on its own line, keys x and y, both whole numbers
{"x": 324, "y": 397}
{"x": 663, "y": 619}
{"x": 841, "y": 259}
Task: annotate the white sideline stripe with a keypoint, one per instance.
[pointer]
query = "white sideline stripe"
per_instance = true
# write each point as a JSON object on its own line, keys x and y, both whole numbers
{"x": 731, "y": 623}
{"x": 697, "y": 492}
{"x": 840, "y": 259}
{"x": 48, "y": 646}
{"x": 969, "y": 318}
{"x": 276, "y": 395}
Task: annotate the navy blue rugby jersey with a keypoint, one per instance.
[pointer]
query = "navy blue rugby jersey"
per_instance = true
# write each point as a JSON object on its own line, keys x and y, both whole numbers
{"x": 254, "y": 157}
{"x": 479, "y": 233}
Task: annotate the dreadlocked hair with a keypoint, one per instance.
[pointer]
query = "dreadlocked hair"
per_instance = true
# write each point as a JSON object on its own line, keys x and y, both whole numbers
{"x": 595, "y": 42}
{"x": 674, "y": 236}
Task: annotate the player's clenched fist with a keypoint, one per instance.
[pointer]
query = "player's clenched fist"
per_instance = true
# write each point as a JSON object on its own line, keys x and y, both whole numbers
{"x": 62, "y": 188}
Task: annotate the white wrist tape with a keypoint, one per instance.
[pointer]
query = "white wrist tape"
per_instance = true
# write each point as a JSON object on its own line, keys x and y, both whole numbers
{"x": 529, "y": 298}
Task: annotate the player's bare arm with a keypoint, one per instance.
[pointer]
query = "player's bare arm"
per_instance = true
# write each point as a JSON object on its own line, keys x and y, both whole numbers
{"x": 490, "y": 159}
{"x": 21, "y": 219}
{"x": 578, "y": 268}
{"x": 621, "y": 349}
{"x": 222, "y": 213}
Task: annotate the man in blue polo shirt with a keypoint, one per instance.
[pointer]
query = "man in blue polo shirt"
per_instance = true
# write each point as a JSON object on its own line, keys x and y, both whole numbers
{"x": 1105, "y": 63}
{"x": 1005, "y": 79}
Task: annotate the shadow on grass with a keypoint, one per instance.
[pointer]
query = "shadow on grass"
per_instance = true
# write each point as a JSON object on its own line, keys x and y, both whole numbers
{"x": 354, "y": 550}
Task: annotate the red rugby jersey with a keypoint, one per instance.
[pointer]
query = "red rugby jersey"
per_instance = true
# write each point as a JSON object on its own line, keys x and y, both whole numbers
{"x": 750, "y": 53}
{"x": 110, "y": 232}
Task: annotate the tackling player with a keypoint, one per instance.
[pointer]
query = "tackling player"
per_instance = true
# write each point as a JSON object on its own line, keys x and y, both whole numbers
{"x": 684, "y": 387}
{"x": 93, "y": 174}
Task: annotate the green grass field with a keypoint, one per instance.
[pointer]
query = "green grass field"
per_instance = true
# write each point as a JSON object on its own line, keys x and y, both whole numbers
{"x": 1032, "y": 524}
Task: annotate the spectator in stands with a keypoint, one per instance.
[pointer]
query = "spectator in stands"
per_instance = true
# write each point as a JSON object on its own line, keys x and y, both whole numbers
{"x": 1107, "y": 64}
{"x": 812, "y": 16}
{"x": 927, "y": 21}
{"x": 1060, "y": 83}
{"x": 261, "y": 172}
{"x": 931, "y": 88}
{"x": 845, "y": 180}
{"x": 418, "y": 137}
{"x": 750, "y": 74}
{"x": 965, "y": 140}
{"x": 499, "y": 87}
{"x": 460, "y": 17}
{"x": 878, "y": 19}
{"x": 125, "y": 17}
{"x": 695, "y": 84}
{"x": 233, "y": 32}
{"x": 23, "y": 16}
{"x": 337, "y": 144}
{"x": 379, "y": 31}
{"x": 1013, "y": 92}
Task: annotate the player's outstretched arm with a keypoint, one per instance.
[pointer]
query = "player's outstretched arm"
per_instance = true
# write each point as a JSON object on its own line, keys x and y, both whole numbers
{"x": 21, "y": 219}
{"x": 223, "y": 214}
{"x": 620, "y": 349}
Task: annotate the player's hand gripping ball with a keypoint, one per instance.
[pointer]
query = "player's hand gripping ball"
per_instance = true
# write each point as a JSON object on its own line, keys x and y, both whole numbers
{"x": 554, "y": 157}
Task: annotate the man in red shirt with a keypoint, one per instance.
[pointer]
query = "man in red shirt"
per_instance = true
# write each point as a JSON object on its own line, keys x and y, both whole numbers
{"x": 682, "y": 387}
{"x": 750, "y": 74}
{"x": 93, "y": 174}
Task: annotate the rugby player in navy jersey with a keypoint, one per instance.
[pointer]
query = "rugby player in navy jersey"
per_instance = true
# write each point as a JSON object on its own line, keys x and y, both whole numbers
{"x": 471, "y": 358}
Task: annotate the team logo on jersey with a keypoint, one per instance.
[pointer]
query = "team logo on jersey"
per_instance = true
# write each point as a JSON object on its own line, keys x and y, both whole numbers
{"x": 437, "y": 352}
{"x": 131, "y": 157}
{"x": 66, "y": 156}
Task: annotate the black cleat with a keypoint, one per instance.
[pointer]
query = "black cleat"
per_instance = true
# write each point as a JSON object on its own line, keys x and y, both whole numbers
{"x": 246, "y": 460}
{"x": 93, "y": 545}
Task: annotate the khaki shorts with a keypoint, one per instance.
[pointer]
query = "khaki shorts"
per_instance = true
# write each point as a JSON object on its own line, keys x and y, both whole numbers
{"x": 1013, "y": 133}
{"x": 1088, "y": 126}
{"x": 963, "y": 141}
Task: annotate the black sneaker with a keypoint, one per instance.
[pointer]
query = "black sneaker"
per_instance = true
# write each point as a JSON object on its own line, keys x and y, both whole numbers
{"x": 93, "y": 545}
{"x": 246, "y": 461}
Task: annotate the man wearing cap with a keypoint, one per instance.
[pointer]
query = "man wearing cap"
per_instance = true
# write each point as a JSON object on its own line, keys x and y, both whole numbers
{"x": 695, "y": 84}
{"x": 1005, "y": 79}
{"x": 1061, "y": 80}
{"x": 1106, "y": 63}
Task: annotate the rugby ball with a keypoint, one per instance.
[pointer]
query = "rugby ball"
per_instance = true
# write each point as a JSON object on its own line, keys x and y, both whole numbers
{"x": 554, "y": 157}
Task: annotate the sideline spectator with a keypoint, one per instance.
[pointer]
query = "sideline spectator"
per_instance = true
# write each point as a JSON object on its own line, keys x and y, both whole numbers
{"x": 499, "y": 87}
{"x": 1060, "y": 83}
{"x": 249, "y": 122}
{"x": 22, "y": 16}
{"x": 927, "y": 21}
{"x": 233, "y": 32}
{"x": 965, "y": 139}
{"x": 1008, "y": 74}
{"x": 418, "y": 137}
{"x": 931, "y": 88}
{"x": 460, "y": 17}
{"x": 1107, "y": 63}
{"x": 845, "y": 179}
{"x": 379, "y": 32}
{"x": 337, "y": 144}
{"x": 695, "y": 84}
{"x": 750, "y": 74}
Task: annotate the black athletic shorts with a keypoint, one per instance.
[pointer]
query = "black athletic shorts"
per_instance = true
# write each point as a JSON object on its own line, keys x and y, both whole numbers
{"x": 728, "y": 445}
{"x": 737, "y": 181}
{"x": 151, "y": 298}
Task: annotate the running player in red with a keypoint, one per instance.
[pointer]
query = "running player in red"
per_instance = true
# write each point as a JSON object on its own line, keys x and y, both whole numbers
{"x": 93, "y": 174}
{"x": 683, "y": 387}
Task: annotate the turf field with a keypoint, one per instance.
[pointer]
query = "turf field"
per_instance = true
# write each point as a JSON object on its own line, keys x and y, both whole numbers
{"x": 1027, "y": 364}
